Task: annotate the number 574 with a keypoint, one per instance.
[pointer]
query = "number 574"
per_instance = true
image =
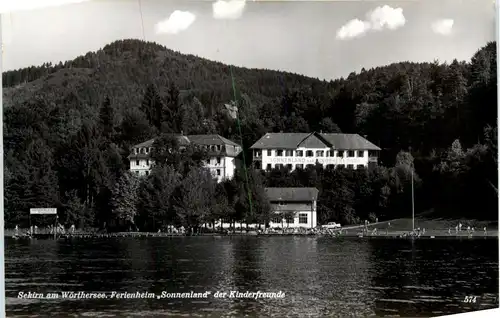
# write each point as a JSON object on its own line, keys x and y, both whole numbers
{"x": 470, "y": 299}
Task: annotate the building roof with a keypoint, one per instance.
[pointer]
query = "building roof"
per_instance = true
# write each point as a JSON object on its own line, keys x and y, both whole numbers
{"x": 211, "y": 140}
{"x": 349, "y": 141}
{"x": 195, "y": 139}
{"x": 313, "y": 140}
{"x": 146, "y": 144}
{"x": 279, "y": 140}
{"x": 292, "y": 194}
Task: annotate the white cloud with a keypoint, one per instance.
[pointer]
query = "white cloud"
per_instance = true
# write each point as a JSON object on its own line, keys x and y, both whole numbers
{"x": 381, "y": 18}
{"x": 443, "y": 26}
{"x": 18, "y": 5}
{"x": 177, "y": 22}
{"x": 352, "y": 29}
{"x": 386, "y": 17}
{"x": 232, "y": 9}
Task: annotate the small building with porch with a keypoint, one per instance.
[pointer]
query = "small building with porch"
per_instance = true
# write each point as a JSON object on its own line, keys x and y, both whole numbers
{"x": 293, "y": 207}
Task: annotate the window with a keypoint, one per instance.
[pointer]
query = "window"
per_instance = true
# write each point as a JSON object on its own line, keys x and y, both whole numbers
{"x": 289, "y": 166}
{"x": 147, "y": 149}
{"x": 256, "y": 153}
{"x": 361, "y": 153}
{"x": 328, "y": 153}
{"x": 289, "y": 153}
{"x": 290, "y": 219}
{"x": 147, "y": 173}
{"x": 268, "y": 167}
{"x": 279, "y": 153}
{"x": 136, "y": 150}
{"x": 142, "y": 150}
{"x": 303, "y": 218}
{"x": 137, "y": 162}
{"x": 147, "y": 162}
{"x": 299, "y": 166}
{"x": 320, "y": 153}
{"x": 309, "y": 153}
{"x": 218, "y": 172}
{"x": 350, "y": 153}
{"x": 218, "y": 161}
{"x": 269, "y": 152}
{"x": 350, "y": 166}
{"x": 276, "y": 220}
{"x": 340, "y": 153}
{"x": 360, "y": 166}
{"x": 279, "y": 166}
{"x": 299, "y": 153}
{"x": 218, "y": 147}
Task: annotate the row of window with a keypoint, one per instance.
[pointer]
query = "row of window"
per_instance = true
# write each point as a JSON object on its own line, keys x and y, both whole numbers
{"x": 143, "y": 151}
{"x": 310, "y": 153}
{"x": 216, "y": 173}
{"x": 146, "y": 150}
{"x": 137, "y": 162}
{"x": 301, "y": 166}
{"x": 303, "y": 219}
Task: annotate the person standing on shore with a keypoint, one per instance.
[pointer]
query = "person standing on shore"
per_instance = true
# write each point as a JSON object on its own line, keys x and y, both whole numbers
{"x": 485, "y": 233}
{"x": 449, "y": 231}
{"x": 16, "y": 231}
{"x": 460, "y": 227}
{"x": 456, "y": 229}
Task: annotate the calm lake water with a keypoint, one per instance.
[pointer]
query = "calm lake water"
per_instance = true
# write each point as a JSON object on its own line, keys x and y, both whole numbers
{"x": 321, "y": 277}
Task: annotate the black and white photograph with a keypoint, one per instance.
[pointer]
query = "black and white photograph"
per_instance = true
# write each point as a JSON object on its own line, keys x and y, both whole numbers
{"x": 232, "y": 158}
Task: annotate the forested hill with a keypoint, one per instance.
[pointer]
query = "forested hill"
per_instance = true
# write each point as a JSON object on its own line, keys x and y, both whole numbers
{"x": 124, "y": 68}
{"x": 418, "y": 107}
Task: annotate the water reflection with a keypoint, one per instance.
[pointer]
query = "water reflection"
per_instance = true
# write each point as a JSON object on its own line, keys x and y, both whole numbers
{"x": 432, "y": 277}
{"x": 322, "y": 277}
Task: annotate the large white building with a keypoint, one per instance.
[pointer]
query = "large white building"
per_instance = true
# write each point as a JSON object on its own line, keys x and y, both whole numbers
{"x": 293, "y": 207}
{"x": 299, "y": 150}
{"x": 222, "y": 155}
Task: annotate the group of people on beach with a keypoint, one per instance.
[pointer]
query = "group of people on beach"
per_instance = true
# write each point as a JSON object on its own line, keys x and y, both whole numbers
{"x": 470, "y": 230}
{"x": 51, "y": 229}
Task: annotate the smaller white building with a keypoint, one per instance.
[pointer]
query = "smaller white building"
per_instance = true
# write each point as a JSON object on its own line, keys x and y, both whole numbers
{"x": 293, "y": 207}
{"x": 222, "y": 154}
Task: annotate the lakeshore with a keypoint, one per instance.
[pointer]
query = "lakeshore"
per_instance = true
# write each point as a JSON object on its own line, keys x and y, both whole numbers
{"x": 398, "y": 228}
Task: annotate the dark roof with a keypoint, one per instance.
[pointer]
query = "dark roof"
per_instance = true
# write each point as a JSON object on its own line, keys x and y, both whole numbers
{"x": 349, "y": 141}
{"x": 313, "y": 140}
{"x": 292, "y": 194}
{"x": 136, "y": 156}
{"x": 280, "y": 140}
{"x": 146, "y": 144}
{"x": 195, "y": 139}
{"x": 211, "y": 140}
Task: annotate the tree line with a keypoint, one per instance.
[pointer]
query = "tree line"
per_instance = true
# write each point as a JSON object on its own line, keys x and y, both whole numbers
{"x": 68, "y": 132}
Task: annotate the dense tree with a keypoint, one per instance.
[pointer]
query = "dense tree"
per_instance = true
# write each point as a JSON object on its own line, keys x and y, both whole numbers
{"x": 155, "y": 211}
{"x": 69, "y": 128}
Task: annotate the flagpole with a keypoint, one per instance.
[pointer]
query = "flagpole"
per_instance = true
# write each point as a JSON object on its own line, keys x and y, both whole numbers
{"x": 2, "y": 210}
{"x": 412, "y": 201}
{"x": 241, "y": 140}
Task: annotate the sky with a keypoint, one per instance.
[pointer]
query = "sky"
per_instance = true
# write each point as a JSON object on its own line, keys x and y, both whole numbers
{"x": 323, "y": 39}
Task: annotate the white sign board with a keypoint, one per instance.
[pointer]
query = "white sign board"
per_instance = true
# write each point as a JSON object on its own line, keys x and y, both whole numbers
{"x": 43, "y": 211}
